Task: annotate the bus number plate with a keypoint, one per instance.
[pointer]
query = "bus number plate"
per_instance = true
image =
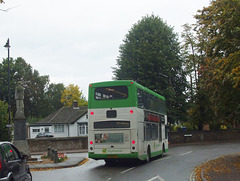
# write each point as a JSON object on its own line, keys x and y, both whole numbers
{"x": 112, "y": 156}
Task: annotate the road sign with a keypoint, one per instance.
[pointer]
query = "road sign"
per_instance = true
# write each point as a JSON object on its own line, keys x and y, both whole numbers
{"x": 8, "y": 125}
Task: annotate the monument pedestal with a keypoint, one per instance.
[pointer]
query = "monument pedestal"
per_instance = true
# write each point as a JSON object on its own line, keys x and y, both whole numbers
{"x": 19, "y": 121}
{"x": 20, "y": 133}
{"x": 23, "y": 147}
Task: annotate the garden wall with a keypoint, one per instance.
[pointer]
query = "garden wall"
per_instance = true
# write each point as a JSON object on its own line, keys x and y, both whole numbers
{"x": 67, "y": 143}
{"x": 81, "y": 143}
{"x": 204, "y": 136}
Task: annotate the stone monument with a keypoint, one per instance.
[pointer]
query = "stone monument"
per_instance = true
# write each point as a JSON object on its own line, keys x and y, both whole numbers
{"x": 19, "y": 121}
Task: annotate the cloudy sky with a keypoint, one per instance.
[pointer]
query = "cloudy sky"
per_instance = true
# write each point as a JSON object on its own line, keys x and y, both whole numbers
{"x": 77, "y": 42}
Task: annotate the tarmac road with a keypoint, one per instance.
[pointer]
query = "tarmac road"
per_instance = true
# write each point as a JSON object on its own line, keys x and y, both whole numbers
{"x": 178, "y": 164}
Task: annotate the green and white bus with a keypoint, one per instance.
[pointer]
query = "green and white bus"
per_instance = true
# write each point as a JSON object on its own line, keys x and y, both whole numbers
{"x": 126, "y": 120}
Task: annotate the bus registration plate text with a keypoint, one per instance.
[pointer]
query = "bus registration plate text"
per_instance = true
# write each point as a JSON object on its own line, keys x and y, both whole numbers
{"x": 112, "y": 156}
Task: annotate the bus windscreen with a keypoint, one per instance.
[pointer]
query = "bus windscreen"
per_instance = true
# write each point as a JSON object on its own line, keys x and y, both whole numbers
{"x": 111, "y": 93}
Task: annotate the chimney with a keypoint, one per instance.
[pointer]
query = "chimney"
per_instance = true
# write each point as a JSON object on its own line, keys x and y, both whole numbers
{"x": 75, "y": 105}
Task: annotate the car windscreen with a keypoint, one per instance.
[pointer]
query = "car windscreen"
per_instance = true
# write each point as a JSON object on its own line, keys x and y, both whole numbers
{"x": 2, "y": 154}
{"x": 111, "y": 93}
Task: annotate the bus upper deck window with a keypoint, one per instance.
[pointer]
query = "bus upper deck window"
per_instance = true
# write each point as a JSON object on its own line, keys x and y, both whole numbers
{"x": 111, "y": 93}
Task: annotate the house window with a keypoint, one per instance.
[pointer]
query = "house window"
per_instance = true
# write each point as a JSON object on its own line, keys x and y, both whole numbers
{"x": 59, "y": 128}
{"x": 83, "y": 129}
{"x": 46, "y": 129}
{"x": 36, "y": 130}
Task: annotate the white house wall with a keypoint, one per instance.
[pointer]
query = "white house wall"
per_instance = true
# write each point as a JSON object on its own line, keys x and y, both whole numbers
{"x": 73, "y": 129}
{"x": 62, "y": 134}
{"x": 69, "y": 129}
{"x": 41, "y": 129}
{"x": 83, "y": 119}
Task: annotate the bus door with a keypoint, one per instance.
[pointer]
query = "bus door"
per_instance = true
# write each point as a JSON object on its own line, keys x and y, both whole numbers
{"x": 112, "y": 142}
{"x": 141, "y": 140}
{"x": 163, "y": 130}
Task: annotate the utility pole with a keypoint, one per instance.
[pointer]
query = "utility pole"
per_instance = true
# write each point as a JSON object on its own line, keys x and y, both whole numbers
{"x": 9, "y": 114}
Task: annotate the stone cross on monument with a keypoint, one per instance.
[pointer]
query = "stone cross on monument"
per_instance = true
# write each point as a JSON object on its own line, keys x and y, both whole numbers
{"x": 19, "y": 121}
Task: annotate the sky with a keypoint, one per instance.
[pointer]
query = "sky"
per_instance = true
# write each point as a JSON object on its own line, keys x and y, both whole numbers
{"x": 77, "y": 42}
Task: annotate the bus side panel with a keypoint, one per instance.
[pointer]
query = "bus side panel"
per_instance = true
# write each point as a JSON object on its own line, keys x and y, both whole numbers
{"x": 141, "y": 142}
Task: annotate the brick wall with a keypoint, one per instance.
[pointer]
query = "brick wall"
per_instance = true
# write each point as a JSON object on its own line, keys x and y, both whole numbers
{"x": 205, "y": 136}
{"x": 68, "y": 143}
{"x": 80, "y": 143}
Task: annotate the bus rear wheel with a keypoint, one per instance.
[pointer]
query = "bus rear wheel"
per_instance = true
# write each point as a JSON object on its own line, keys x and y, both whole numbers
{"x": 111, "y": 162}
{"x": 163, "y": 150}
{"x": 148, "y": 155}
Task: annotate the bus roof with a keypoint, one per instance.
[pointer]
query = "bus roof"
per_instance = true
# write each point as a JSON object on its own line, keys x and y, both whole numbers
{"x": 125, "y": 82}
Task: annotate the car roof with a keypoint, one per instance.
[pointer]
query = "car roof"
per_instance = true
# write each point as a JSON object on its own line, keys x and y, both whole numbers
{"x": 1, "y": 142}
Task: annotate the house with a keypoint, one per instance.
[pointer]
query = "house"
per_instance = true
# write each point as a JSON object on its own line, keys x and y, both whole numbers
{"x": 65, "y": 122}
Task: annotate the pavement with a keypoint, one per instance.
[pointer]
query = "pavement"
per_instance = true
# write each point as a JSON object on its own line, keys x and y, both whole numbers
{"x": 223, "y": 168}
{"x": 75, "y": 158}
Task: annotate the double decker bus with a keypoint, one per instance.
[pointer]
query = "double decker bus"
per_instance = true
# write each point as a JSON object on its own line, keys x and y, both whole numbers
{"x": 126, "y": 120}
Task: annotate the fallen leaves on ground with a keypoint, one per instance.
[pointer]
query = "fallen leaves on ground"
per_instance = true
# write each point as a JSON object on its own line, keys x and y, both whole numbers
{"x": 227, "y": 166}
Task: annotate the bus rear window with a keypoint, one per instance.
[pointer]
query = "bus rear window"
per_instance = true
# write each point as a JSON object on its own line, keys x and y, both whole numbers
{"x": 109, "y": 138}
{"x": 111, "y": 93}
{"x": 111, "y": 124}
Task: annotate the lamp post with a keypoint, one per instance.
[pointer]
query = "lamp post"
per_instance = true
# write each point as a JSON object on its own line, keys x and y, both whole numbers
{"x": 9, "y": 115}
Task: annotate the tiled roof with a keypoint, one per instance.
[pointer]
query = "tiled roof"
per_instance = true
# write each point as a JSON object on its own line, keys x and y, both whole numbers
{"x": 65, "y": 115}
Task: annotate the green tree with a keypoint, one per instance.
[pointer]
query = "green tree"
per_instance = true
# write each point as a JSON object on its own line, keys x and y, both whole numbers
{"x": 33, "y": 83}
{"x": 150, "y": 55}
{"x": 72, "y": 93}
{"x": 53, "y": 97}
{"x": 219, "y": 24}
{"x": 3, "y": 121}
{"x": 191, "y": 60}
{"x": 193, "y": 55}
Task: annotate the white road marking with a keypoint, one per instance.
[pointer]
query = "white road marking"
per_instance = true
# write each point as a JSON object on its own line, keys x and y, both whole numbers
{"x": 192, "y": 176}
{"x": 165, "y": 158}
{"x": 87, "y": 162}
{"x": 156, "y": 178}
{"x": 127, "y": 170}
{"x": 109, "y": 179}
{"x": 185, "y": 153}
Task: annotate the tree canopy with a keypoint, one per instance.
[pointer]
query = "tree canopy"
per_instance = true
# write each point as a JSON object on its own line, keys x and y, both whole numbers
{"x": 33, "y": 83}
{"x": 52, "y": 98}
{"x": 215, "y": 50}
{"x": 3, "y": 121}
{"x": 72, "y": 93}
{"x": 150, "y": 56}
{"x": 219, "y": 24}
{"x": 40, "y": 97}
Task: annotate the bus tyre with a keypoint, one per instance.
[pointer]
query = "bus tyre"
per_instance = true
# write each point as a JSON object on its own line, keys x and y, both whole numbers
{"x": 111, "y": 162}
{"x": 148, "y": 155}
{"x": 163, "y": 150}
